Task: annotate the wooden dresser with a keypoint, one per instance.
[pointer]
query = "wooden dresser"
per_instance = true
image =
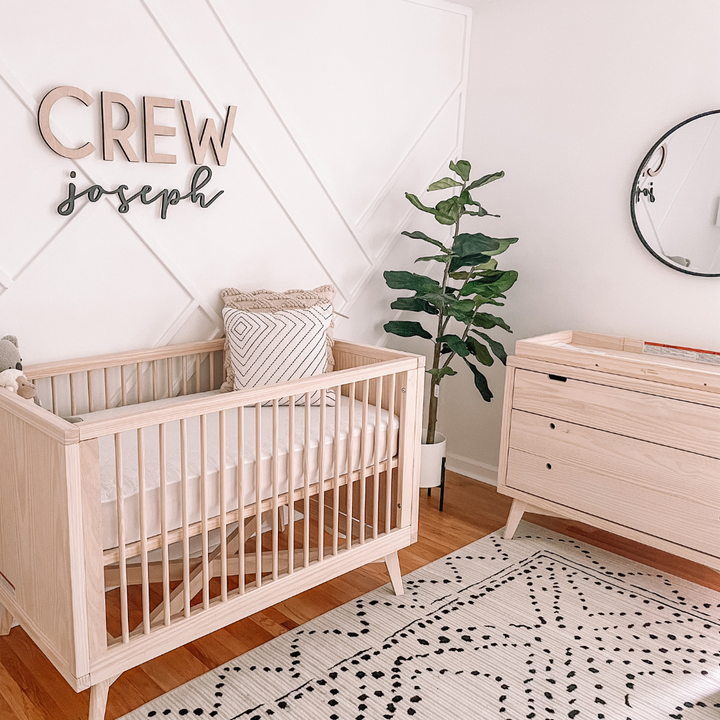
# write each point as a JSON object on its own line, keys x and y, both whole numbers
{"x": 607, "y": 431}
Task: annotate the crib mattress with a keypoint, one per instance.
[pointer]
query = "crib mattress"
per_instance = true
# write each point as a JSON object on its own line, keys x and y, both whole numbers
{"x": 295, "y": 475}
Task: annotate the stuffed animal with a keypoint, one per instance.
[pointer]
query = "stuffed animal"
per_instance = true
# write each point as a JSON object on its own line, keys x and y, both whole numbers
{"x": 16, "y": 382}
{"x": 11, "y": 374}
{"x": 10, "y": 357}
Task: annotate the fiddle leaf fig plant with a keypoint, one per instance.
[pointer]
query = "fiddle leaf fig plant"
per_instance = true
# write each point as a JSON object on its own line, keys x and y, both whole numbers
{"x": 470, "y": 281}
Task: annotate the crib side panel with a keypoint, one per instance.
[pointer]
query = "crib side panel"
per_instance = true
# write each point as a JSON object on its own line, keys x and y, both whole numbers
{"x": 37, "y": 541}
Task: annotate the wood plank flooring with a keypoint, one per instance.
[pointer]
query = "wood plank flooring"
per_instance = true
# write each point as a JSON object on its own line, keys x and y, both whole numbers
{"x": 31, "y": 689}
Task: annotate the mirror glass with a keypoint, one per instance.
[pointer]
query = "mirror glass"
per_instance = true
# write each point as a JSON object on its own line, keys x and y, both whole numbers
{"x": 676, "y": 197}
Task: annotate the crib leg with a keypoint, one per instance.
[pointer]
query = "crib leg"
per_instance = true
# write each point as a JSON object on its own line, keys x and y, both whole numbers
{"x": 392, "y": 563}
{"x": 6, "y": 621}
{"x": 98, "y": 700}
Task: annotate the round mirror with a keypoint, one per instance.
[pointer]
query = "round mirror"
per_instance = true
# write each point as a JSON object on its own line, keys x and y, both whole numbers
{"x": 675, "y": 197}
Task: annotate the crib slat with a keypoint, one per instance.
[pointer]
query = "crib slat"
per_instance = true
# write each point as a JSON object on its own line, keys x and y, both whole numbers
{"x": 321, "y": 476}
{"x": 107, "y": 388}
{"x": 184, "y": 503}
{"x": 389, "y": 454}
{"x": 350, "y": 448}
{"x": 291, "y": 484}
{"x": 197, "y": 372}
{"x": 91, "y": 404}
{"x": 204, "y": 513}
{"x": 169, "y": 371}
{"x": 120, "y": 510}
{"x": 154, "y": 379}
{"x": 258, "y": 495}
{"x": 363, "y": 450}
{"x": 164, "y": 525}
{"x": 336, "y": 476}
{"x": 54, "y": 395}
{"x": 73, "y": 404}
{"x": 223, "y": 510}
{"x": 274, "y": 515}
{"x": 241, "y": 498}
{"x": 138, "y": 381}
{"x": 376, "y": 458}
{"x": 123, "y": 385}
{"x": 143, "y": 532}
{"x": 306, "y": 478}
{"x": 211, "y": 360}
{"x": 183, "y": 362}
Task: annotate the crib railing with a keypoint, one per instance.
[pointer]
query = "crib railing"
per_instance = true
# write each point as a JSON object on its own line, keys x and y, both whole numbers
{"x": 86, "y": 385}
{"x": 179, "y": 569}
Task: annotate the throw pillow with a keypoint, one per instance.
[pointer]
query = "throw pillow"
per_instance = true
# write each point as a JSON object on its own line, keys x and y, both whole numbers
{"x": 267, "y": 301}
{"x": 270, "y": 348}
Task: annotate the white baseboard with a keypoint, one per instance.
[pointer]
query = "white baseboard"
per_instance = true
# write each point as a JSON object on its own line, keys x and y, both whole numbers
{"x": 472, "y": 468}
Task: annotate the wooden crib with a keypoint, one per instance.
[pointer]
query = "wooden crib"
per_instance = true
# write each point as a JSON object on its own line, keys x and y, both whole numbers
{"x": 140, "y": 508}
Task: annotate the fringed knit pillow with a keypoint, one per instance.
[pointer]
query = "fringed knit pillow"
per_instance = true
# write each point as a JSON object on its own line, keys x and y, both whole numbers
{"x": 267, "y": 301}
{"x": 270, "y": 348}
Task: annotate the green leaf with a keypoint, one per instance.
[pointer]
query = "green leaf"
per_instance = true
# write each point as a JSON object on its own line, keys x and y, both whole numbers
{"x": 495, "y": 346}
{"x": 403, "y": 280}
{"x": 448, "y": 211}
{"x": 485, "y": 179}
{"x": 455, "y": 344}
{"x": 417, "y": 235}
{"x": 492, "y": 285}
{"x": 438, "y": 258}
{"x": 444, "y": 184}
{"x": 414, "y": 200}
{"x": 407, "y": 328}
{"x": 474, "y": 244}
{"x": 461, "y": 310}
{"x": 414, "y": 304}
{"x": 479, "y": 351}
{"x": 438, "y": 300}
{"x": 487, "y": 321}
{"x": 503, "y": 245}
{"x": 461, "y": 168}
{"x": 480, "y": 382}
{"x": 440, "y": 373}
{"x": 482, "y": 212}
{"x": 468, "y": 261}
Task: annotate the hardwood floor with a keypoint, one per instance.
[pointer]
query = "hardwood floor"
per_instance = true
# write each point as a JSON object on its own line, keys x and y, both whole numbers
{"x": 31, "y": 689}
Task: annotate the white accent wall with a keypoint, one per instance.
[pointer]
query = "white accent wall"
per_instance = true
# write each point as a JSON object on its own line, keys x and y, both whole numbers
{"x": 567, "y": 97}
{"x": 342, "y": 107}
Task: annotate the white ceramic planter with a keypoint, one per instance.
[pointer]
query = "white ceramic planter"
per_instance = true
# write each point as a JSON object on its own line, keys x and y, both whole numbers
{"x": 431, "y": 457}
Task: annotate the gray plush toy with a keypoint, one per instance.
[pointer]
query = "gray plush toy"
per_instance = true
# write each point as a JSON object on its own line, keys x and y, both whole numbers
{"x": 11, "y": 370}
{"x": 10, "y": 358}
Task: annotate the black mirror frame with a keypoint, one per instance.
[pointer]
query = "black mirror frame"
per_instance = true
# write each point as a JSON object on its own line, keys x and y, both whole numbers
{"x": 633, "y": 193}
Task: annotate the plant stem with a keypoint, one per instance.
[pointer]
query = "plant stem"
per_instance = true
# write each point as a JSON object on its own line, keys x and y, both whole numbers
{"x": 435, "y": 381}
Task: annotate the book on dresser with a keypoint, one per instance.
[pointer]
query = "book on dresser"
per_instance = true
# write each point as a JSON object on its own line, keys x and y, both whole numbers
{"x": 618, "y": 433}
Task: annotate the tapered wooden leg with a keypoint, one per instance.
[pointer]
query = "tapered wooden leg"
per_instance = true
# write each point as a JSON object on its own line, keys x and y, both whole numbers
{"x": 6, "y": 621}
{"x": 514, "y": 516}
{"x": 392, "y": 563}
{"x": 98, "y": 700}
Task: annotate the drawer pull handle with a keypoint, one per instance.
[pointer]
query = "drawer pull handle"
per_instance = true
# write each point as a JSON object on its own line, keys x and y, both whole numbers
{"x": 559, "y": 378}
{"x": 548, "y": 466}
{"x": 552, "y": 426}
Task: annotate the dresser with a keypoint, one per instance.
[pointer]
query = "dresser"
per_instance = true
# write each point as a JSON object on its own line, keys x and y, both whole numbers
{"x": 618, "y": 433}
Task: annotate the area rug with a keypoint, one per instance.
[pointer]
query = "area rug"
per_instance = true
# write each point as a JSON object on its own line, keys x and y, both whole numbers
{"x": 541, "y": 626}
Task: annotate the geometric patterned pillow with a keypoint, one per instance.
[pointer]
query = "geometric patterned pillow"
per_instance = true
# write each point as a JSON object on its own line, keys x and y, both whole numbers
{"x": 269, "y": 301}
{"x": 270, "y": 348}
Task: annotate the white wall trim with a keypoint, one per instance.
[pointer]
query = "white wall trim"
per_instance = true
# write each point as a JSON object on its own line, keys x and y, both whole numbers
{"x": 472, "y": 468}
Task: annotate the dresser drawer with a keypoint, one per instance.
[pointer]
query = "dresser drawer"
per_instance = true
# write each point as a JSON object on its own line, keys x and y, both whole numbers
{"x": 675, "y": 423}
{"x": 658, "y": 490}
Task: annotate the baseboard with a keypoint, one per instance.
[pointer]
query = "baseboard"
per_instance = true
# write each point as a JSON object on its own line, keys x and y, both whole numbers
{"x": 472, "y": 468}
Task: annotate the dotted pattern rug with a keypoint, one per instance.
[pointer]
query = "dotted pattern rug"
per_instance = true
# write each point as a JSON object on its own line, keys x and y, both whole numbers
{"x": 541, "y": 626}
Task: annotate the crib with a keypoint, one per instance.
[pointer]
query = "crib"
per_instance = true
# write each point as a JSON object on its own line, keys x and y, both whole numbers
{"x": 141, "y": 508}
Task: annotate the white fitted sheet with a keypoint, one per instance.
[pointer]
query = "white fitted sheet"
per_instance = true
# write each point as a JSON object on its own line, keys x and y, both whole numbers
{"x": 173, "y": 462}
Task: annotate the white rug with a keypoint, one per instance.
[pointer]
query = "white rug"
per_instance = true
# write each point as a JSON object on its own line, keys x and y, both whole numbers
{"x": 541, "y": 626}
